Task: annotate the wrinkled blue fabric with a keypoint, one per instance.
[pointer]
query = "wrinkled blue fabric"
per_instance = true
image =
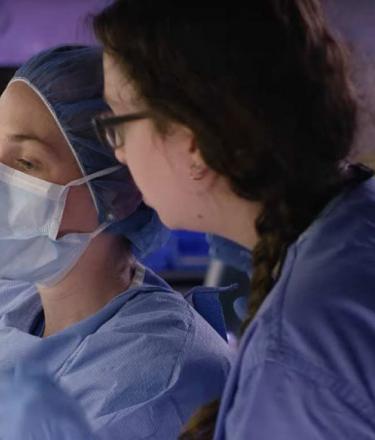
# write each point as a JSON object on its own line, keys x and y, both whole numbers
{"x": 27, "y": 397}
{"x": 138, "y": 368}
{"x": 305, "y": 369}
{"x": 69, "y": 79}
{"x": 236, "y": 256}
{"x": 206, "y": 302}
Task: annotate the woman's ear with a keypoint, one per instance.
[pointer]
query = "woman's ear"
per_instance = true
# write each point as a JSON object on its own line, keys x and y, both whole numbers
{"x": 198, "y": 167}
{"x": 185, "y": 158}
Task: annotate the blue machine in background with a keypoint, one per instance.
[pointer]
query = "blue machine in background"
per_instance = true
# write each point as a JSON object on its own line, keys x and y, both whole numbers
{"x": 185, "y": 253}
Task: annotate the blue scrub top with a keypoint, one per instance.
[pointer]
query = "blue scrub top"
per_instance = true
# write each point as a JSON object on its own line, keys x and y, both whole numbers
{"x": 230, "y": 253}
{"x": 139, "y": 367}
{"x": 306, "y": 366}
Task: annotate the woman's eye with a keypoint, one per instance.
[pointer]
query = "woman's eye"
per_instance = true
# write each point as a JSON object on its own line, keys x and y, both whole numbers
{"x": 25, "y": 165}
{"x": 120, "y": 135}
{"x": 115, "y": 137}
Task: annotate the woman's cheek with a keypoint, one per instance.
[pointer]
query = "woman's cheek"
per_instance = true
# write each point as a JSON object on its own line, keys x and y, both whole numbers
{"x": 79, "y": 212}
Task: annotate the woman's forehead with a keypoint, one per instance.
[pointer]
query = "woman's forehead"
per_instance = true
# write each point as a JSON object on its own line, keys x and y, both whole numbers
{"x": 118, "y": 89}
{"x": 20, "y": 104}
{"x": 21, "y": 110}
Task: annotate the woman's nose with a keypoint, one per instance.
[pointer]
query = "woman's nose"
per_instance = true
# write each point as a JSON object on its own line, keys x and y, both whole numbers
{"x": 120, "y": 155}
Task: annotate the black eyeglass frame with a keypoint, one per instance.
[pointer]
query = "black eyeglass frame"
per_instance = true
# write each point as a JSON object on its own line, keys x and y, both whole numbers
{"x": 102, "y": 122}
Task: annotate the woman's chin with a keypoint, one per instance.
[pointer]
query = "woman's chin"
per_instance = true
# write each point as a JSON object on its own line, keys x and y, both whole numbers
{"x": 166, "y": 218}
{"x": 146, "y": 201}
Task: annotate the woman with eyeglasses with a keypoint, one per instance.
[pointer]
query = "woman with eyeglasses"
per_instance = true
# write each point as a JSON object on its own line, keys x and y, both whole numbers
{"x": 238, "y": 119}
{"x": 76, "y": 306}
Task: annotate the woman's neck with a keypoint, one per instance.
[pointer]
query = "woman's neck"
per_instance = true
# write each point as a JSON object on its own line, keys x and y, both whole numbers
{"x": 234, "y": 218}
{"x": 105, "y": 270}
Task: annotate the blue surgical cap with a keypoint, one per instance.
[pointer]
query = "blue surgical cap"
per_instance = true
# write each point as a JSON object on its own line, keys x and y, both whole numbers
{"x": 69, "y": 80}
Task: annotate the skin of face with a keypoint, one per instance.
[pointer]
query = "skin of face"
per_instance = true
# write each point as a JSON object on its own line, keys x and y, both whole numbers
{"x": 31, "y": 142}
{"x": 160, "y": 164}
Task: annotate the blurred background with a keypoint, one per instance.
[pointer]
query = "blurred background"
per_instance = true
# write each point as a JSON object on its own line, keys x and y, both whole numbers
{"x": 27, "y": 27}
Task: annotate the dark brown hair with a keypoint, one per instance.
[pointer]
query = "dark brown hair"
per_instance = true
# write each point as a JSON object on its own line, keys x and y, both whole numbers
{"x": 264, "y": 87}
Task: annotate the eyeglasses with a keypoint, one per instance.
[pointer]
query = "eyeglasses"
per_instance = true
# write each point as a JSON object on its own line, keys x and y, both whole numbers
{"x": 105, "y": 127}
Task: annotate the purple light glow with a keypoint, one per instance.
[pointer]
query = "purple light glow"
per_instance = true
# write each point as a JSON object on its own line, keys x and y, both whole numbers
{"x": 26, "y": 27}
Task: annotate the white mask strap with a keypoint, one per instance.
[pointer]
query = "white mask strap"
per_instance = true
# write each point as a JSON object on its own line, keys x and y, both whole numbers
{"x": 93, "y": 176}
{"x": 99, "y": 230}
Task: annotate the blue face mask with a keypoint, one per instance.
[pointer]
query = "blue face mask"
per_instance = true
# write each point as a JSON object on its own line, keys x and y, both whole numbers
{"x": 30, "y": 218}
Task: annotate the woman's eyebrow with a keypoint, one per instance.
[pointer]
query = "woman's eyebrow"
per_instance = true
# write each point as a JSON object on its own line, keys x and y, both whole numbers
{"x": 18, "y": 138}
{"x": 24, "y": 137}
{"x": 114, "y": 99}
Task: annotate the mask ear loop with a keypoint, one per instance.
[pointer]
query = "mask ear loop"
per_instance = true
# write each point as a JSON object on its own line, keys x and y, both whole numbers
{"x": 99, "y": 230}
{"x": 78, "y": 182}
{"x": 93, "y": 176}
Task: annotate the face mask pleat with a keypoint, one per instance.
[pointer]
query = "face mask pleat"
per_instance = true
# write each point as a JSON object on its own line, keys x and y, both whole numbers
{"x": 30, "y": 219}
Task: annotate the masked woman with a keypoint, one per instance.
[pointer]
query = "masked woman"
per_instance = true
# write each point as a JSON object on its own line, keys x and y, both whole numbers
{"x": 74, "y": 301}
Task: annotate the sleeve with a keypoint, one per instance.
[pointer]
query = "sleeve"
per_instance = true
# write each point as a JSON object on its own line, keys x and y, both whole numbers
{"x": 32, "y": 407}
{"x": 275, "y": 401}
